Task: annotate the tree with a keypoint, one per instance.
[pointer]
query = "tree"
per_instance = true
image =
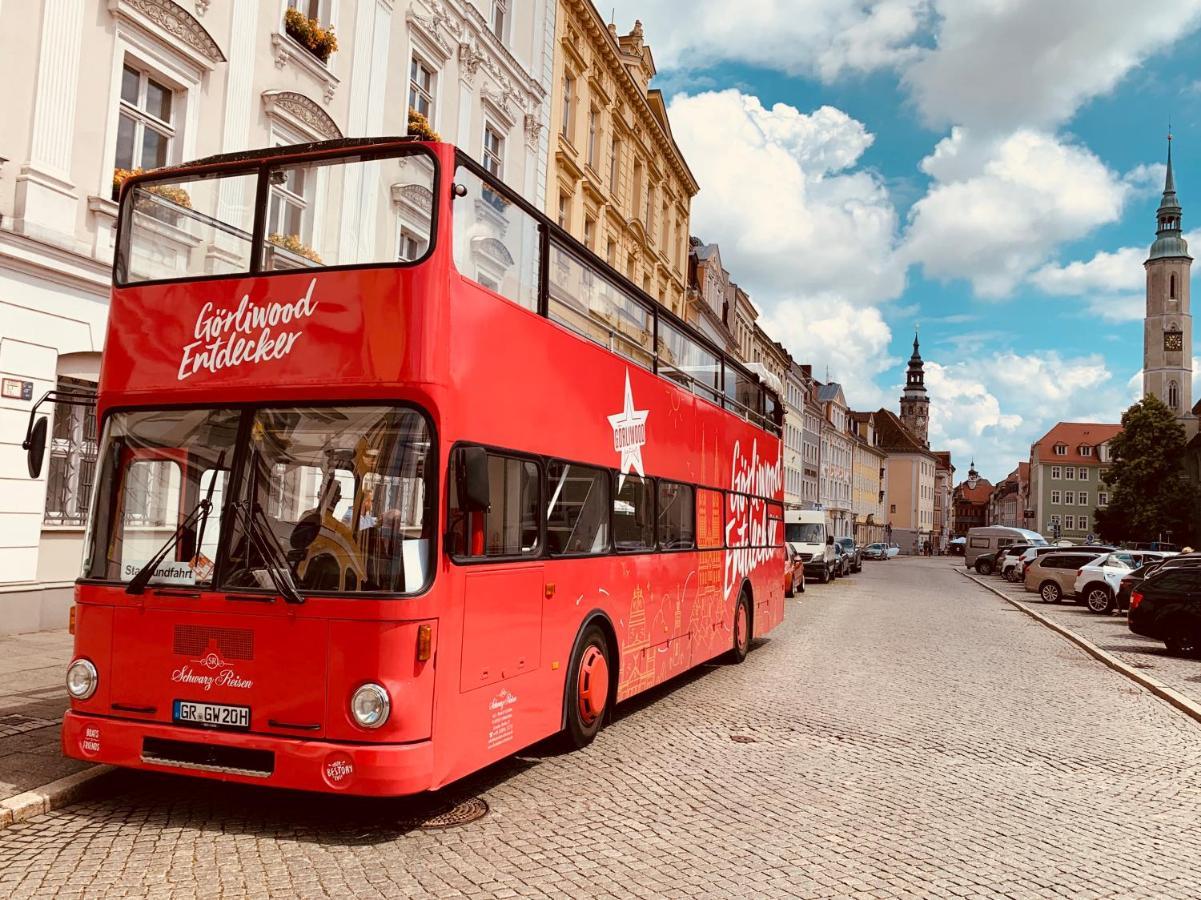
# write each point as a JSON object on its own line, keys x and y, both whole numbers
{"x": 1150, "y": 493}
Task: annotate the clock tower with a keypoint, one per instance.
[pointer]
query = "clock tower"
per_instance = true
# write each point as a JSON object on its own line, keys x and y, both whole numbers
{"x": 1168, "y": 327}
{"x": 915, "y": 404}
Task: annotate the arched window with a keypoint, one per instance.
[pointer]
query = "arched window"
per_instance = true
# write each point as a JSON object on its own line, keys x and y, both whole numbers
{"x": 1173, "y": 395}
{"x": 1172, "y": 286}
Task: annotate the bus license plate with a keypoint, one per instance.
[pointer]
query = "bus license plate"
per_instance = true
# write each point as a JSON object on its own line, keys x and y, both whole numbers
{"x": 212, "y": 714}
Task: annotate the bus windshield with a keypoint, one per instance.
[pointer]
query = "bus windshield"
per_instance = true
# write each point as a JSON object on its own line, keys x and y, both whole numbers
{"x": 341, "y": 496}
{"x": 372, "y": 208}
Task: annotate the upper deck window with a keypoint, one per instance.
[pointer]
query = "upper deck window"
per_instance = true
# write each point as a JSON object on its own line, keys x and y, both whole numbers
{"x": 360, "y": 210}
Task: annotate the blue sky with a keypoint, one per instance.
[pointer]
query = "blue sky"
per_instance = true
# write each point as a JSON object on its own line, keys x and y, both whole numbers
{"x": 988, "y": 168}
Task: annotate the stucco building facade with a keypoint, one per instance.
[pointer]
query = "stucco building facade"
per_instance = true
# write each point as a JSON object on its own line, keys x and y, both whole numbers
{"x": 617, "y": 181}
{"x": 1066, "y": 486}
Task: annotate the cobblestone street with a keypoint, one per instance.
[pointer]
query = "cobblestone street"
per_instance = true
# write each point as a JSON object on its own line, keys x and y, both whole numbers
{"x": 904, "y": 733}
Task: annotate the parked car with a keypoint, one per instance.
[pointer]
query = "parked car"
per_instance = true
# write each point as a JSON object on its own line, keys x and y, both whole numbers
{"x": 875, "y": 551}
{"x": 794, "y": 572}
{"x": 893, "y": 550}
{"x": 1098, "y": 582}
{"x": 1005, "y": 554}
{"x": 805, "y": 529}
{"x": 983, "y": 543}
{"x": 1016, "y": 571}
{"x": 1053, "y": 575}
{"x": 1167, "y": 606}
{"x": 842, "y": 563}
{"x": 854, "y": 554}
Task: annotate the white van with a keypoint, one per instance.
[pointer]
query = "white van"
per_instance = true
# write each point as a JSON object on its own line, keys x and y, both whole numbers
{"x": 805, "y": 529}
{"x": 983, "y": 542}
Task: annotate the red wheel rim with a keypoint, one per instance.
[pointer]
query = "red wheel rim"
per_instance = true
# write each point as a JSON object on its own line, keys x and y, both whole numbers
{"x": 740, "y": 623}
{"x": 593, "y": 688}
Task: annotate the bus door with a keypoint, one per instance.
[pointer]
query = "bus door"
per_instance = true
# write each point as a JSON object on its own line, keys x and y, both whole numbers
{"x": 495, "y": 535}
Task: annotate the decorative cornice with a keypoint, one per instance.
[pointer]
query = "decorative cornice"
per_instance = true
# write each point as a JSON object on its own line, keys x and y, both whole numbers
{"x": 176, "y": 21}
{"x": 428, "y": 27}
{"x": 300, "y": 110}
{"x": 202, "y": 6}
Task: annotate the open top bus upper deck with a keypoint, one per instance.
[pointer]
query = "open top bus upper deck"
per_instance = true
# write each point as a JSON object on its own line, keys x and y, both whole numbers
{"x": 329, "y": 271}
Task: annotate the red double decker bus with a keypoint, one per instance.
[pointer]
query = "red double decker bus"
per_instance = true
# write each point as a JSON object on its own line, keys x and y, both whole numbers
{"x": 397, "y": 478}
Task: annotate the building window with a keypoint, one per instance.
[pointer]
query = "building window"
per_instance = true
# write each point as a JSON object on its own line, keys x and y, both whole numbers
{"x": 1102, "y": 499}
{"x": 1056, "y": 497}
{"x": 1069, "y": 523}
{"x": 1082, "y": 473}
{"x": 1055, "y": 519}
{"x": 636, "y": 193}
{"x": 494, "y": 151}
{"x": 1061, "y": 449}
{"x": 590, "y": 233}
{"x": 500, "y": 17}
{"x": 72, "y": 467}
{"x": 1172, "y": 287}
{"x": 1173, "y": 395}
{"x": 593, "y": 135}
{"x": 1069, "y": 498}
{"x": 564, "y": 211}
{"x": 145, "y": 126}
{"x": 423, "y": 82}
{"x": 611, "y": 253}
{"x": 892, "y": 508}
{"x": 1082, "y": 523}
{"x": 1056, "y": 472}
{"x": 1082, "y": 498}
{"x": 290, "y": 188}
{"x": 568, "y": 105}
{"x": 1085, "y": 450}
{"x": 1069, "y": 473}
{"x": 614, "y": 167}
{"x": 650, "y": 211}
{"x": 412, "y": 246}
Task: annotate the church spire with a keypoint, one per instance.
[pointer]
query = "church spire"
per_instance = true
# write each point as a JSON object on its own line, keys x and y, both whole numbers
{"x": 915, "y": 405}
{"x": 1169, "y": 242}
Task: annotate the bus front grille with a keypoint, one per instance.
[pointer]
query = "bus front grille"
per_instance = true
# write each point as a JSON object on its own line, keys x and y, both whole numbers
{"x": 208, "y": 757}
{"x": 231, "y": 643}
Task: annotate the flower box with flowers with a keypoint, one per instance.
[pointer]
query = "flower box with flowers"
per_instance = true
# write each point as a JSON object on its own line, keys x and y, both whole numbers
{"x": 318, "y": 39}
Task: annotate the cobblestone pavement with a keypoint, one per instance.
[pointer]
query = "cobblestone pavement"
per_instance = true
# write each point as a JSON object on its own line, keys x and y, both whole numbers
{"x": 1112, "y": 634}
{"x": 32, "y": 702}
{"x": 904, "y": 733}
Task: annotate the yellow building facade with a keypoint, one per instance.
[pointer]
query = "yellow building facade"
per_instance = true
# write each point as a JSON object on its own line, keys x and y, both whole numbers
{"x": 616, "y": 179}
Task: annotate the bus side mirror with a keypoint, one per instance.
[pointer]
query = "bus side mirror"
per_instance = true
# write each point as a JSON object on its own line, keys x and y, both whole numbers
{"x": 475, "y": 493}
{"x": 35, "y": 446}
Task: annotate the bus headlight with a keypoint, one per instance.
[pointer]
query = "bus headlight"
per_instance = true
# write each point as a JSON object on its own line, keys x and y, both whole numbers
{"x": 369, "y": 706}
{"x": 81, "y": 679}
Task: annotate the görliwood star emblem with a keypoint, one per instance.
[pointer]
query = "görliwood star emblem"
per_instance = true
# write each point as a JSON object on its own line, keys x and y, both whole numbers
{"x": 629, "y": 435}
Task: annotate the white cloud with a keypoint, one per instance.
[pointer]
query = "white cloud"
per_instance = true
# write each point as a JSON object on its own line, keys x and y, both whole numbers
{"x": 996, "y": 405}
{"x": 780, "y": 195}
{"x": 825, "y": 38}
{"x": 852, "y": 341}
{"x": 998, "y": 207}
{"x": 1002, "y": 64}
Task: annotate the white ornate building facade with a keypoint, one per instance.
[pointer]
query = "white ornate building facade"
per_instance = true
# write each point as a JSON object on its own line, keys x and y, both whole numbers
{"x": 93, "y": 86}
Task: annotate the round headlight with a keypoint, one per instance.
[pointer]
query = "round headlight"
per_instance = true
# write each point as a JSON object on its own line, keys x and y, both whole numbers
{"x": 370, "y": 706}
{"x": 81, "y": 679}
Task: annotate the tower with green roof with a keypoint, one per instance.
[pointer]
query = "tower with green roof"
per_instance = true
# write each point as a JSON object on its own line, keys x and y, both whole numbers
{"x": 1168, "y": 326}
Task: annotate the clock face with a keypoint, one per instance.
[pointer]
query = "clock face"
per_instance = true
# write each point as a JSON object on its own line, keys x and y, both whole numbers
{"x": 1173, "y": 340}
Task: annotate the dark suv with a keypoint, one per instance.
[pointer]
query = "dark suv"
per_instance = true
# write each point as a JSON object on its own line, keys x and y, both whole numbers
{"x": 852, "y": 554}
{"x": 1167, "y": 606}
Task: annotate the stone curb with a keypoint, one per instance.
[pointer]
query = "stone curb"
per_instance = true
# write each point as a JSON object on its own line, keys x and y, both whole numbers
{"x": 1158, "y": 688}
{"x": 56, "y": 794}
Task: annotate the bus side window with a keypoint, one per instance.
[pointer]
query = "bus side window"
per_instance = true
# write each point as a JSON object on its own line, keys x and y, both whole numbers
{"x": 510, "y": 527}
{"x": 634, "y": 514}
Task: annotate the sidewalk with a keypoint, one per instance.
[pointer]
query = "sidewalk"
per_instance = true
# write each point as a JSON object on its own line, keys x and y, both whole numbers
{"x": 32, "y": 702}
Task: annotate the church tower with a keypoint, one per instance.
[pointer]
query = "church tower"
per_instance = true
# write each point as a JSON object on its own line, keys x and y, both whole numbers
{"x": 915, "y": 405}
{"x": 1168, "y": 327}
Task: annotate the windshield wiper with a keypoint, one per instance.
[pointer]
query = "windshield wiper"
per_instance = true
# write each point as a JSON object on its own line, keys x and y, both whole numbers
{"x": 137, "y": 584}
{"x": 274, "y": 558}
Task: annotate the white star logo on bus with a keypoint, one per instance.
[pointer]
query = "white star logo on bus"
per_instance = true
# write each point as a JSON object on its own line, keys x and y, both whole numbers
{"x": 629, "y": 435}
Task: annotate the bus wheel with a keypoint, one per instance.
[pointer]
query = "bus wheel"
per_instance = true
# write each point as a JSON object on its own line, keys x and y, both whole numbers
{"x": 742, "y": 628}
{"x": 587, "y": 693}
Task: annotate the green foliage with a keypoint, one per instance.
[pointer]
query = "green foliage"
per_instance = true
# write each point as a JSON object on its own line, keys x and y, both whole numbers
{"x": 1149, "y": 491}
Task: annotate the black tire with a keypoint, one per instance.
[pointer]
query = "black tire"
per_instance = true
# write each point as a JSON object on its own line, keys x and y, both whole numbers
{"x": 1183, "y": 645}
{"x": 581, "y": 730}
{"x": 742, "y": 628}
{"x": 984, "y": 566}
{"x": 1098, "y": 598}
{"x": 1050, "y": 592}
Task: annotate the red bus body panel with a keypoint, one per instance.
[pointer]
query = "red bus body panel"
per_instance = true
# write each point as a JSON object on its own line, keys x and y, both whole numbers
{"x": 486, "y": 371}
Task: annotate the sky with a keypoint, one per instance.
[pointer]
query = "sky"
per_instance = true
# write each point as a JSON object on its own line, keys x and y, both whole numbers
{"x": 987, "y": 170}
